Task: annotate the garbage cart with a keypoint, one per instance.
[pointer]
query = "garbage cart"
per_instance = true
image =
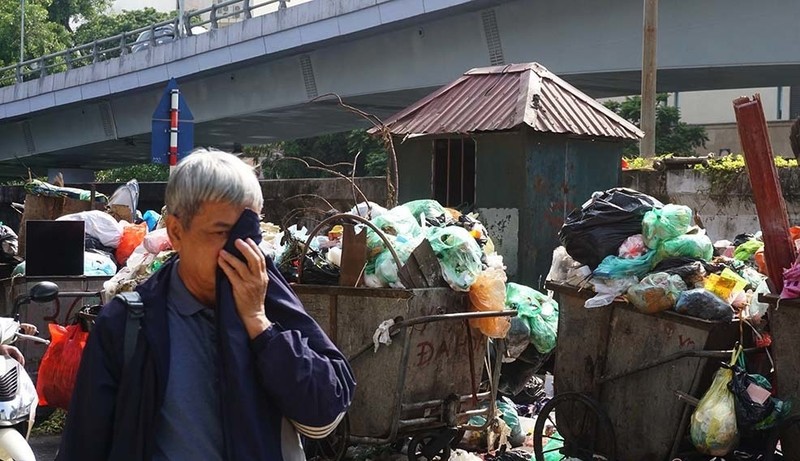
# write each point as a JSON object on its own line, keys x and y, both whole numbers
{"x": 618, "y": 373}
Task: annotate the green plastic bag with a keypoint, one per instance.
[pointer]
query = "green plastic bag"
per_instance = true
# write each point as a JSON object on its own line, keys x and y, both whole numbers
{"x": 552, "y": 449}
{"x": 746, "y": 250}
{"x": 697, "y": 246}
{"x": 665, "y": 223}
{"x": 458, "y": 254}
{"x": 538, "y": 311}
{"x": 614, "y": 267}
{"x": 432, "y": 209}
{"x": 396, "y": 222}
{"x": 386, "y": 268}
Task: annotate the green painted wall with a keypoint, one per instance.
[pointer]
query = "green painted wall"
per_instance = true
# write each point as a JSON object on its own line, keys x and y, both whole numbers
{"x": 414, "y": 169}
{"x": 562, "y": 173}
{"x": 500, "y": 170}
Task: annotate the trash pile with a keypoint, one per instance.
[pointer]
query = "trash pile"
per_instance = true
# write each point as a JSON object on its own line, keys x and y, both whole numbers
{"x": 627, "y": 244}
{"x": 629, "y": 247}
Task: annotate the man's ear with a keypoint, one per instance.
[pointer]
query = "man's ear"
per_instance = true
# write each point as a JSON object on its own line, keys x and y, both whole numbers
{"x": 175, "y": 231}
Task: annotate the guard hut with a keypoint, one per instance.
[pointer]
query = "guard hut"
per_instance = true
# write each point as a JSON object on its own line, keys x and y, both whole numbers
{"x": 517, "y": 144}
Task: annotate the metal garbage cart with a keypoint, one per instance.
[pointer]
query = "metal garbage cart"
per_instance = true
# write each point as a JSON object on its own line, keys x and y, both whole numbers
{"x": 426, "y": 383}
{"x": 617, "y": 373}
{"x": 784, "y": 317}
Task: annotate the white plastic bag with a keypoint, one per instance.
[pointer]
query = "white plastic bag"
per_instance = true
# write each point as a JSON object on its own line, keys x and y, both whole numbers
{"x": 608, "y": 289}
{"x": 98, "y": 224}
{"x": 369, "y": 211}
{"x": 633, "y": 247}
{"x": 95, "y": 264}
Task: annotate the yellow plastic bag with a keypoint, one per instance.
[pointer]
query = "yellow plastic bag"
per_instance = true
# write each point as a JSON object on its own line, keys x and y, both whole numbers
{"x": 488, "y": 293}
{"x": 713, "y": 427}
{"x": 726, "y": 285}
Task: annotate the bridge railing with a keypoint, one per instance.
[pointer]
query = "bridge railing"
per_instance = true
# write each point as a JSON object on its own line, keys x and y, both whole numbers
{"x": 195, "y": 22}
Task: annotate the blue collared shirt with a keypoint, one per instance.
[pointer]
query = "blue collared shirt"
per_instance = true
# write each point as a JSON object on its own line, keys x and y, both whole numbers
{"x": 190, "y": 423}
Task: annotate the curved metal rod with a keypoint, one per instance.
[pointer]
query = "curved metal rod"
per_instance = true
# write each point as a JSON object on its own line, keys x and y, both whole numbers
{"x": 343, "y": 216}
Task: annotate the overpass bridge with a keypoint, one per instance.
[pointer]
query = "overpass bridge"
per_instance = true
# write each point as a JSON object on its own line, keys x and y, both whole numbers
{"x": 252, "y": 81}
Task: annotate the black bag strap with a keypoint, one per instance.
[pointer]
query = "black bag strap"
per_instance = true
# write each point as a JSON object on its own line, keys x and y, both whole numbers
{"x": 133, "y": 301}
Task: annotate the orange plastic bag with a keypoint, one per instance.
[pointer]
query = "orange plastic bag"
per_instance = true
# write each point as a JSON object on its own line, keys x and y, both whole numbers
{"x": 132, "y": 236}
{"x": 59, "y": 366}
{"x": 488, "y": 293}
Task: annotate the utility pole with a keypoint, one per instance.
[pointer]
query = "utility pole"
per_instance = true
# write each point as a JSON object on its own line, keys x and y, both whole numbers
{"x": 22, "y": 31}
{"x": 647, "y": 147}
{"x": 182, "y": 31}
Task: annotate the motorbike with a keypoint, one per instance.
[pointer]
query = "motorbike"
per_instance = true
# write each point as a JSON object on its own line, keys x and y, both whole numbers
{"x": 18, "y": 398}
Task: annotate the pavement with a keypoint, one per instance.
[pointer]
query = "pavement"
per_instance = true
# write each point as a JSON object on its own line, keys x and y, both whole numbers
{"x": 45, "y": 447}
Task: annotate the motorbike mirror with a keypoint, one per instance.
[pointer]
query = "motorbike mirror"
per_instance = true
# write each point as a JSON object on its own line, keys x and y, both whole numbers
{"x": 44, "y": 292}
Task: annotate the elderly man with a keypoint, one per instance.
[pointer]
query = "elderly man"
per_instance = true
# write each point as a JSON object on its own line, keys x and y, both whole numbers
{"x": 227, "y": 364}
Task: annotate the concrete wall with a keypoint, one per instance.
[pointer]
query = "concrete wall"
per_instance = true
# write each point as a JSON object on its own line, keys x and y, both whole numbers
{"x": 723, "y": 215}
{"x": 726, "y": 136}
{"x": 280, "y": 196}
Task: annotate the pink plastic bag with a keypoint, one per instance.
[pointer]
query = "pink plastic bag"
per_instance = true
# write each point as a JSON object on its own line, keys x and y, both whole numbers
{"x": 633, "y": 247}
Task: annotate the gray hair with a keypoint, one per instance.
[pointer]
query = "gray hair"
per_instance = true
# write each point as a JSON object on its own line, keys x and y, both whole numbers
{"x": 210, "y": 175}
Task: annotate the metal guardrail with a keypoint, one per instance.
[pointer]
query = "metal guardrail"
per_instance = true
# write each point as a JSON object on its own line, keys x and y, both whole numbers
{"x": 216, "y": 16}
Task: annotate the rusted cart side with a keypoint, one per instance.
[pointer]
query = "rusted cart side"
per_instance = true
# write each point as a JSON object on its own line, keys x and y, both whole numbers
{"x": 426, "y": 379}
{"x": 784, "y": 317}
{"x": 631, "y": 364}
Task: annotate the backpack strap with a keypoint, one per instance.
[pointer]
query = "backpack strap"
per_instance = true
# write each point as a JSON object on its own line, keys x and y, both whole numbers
{"x": 133, "y": 301}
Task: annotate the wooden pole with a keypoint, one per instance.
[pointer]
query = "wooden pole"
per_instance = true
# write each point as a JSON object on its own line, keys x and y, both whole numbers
{"x": 770, "y": 206}
{"x": 647, "y": 146}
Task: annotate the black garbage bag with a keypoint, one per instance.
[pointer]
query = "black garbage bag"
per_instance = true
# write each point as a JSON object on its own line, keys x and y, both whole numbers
{"x": 599, "y": 227}
{"x": 761, "y": 413}
{"x": 318, "y": 271}
{"x": 518, "y": 337}
{"x": 692, "y": 271}
{"x": 704, "y": 304}
{"x": 742, "y": 238}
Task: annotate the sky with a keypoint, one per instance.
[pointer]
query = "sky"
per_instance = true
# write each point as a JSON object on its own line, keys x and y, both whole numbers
{"x": 161, "y": 5}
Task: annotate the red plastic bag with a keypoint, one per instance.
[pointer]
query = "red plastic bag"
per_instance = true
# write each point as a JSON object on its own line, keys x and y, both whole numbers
{"x": 132, "y": 236}
{"x": 59, "y": 366}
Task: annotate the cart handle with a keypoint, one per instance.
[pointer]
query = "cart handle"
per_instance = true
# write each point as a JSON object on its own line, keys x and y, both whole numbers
{"x": 402, "y": 324}
{"x": 676, "y": 356}
{"x": 343, "y": 217}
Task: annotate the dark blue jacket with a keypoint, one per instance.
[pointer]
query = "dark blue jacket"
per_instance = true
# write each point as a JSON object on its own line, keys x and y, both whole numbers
{"x": 292, "y": 370}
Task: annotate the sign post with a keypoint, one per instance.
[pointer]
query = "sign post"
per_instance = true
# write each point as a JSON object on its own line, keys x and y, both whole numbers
{"x": 172, "y": 129}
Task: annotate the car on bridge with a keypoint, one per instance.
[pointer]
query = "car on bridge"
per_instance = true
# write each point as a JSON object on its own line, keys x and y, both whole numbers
{"x": 160, "y": 35}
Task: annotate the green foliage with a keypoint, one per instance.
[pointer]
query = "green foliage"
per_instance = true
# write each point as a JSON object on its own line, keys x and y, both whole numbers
{"x": 672, "y": 135}
{"x": 53, "y": 425}
{"x": 723, "y": 172}
{"x": 339, "y": 150}
{"x": 104, "y": 26}
{"x": 148, "y": 172}
{"x": 62, "y": 11}
{"x": 42, "y": 36}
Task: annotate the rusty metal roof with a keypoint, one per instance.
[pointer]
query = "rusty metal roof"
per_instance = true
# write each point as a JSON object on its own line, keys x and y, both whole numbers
{"x": 506, "y": 97}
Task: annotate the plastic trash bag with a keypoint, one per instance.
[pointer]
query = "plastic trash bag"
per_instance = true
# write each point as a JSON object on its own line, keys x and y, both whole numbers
{"x": 602, "y": 224}
{"x": 726, "y": 285}
{"x": 487, "y": 294}
{"x": 157, "y": 241}
{"x": 59, "y": 366}
{"x": 539, "y": 311}
{"x": 99, "y": 225}
{"x": 552, "y": 449}
{"x": 692, "y": 273}
{"x": 713, "y": 428}
{"x": 703, "y": 304}
{"x": 127, "y": 195}
{"x": 614, "y": 267}
{"x": 132, "y": 237}
{"x": 665, "y": 223}
{"x": 368, "y": 210}
{"x": 518, "y": 338}
{"x": 516, "y": 376}
{"x": 397, "y": 222}
{"x": 9, "y": 244}
{"x": 458, "y": 254}
{"x": 756, "y": 310}
{"x": 656, "y": 292}
{"x": 386, "y": 267}
{"x": 747, "y": 250}
{"x": 95, "y": 264}
{"x": 756, "y": 409}
{"x": 607, "y": 290}
{"x": 696, "y": 246}
{"x": 633, "y": 247}
{"x": 432, "y": 211}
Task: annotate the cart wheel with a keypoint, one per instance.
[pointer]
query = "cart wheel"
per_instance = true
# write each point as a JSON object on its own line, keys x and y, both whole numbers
{"x": 424, "y": 447}
{"x": 585, "y": 429}
{"x": 788, "y": 431}
{"x": 332, "y": 447}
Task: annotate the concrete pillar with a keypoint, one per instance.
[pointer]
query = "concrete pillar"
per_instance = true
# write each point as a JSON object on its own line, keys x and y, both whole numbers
{"x": 71, "y": 175}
